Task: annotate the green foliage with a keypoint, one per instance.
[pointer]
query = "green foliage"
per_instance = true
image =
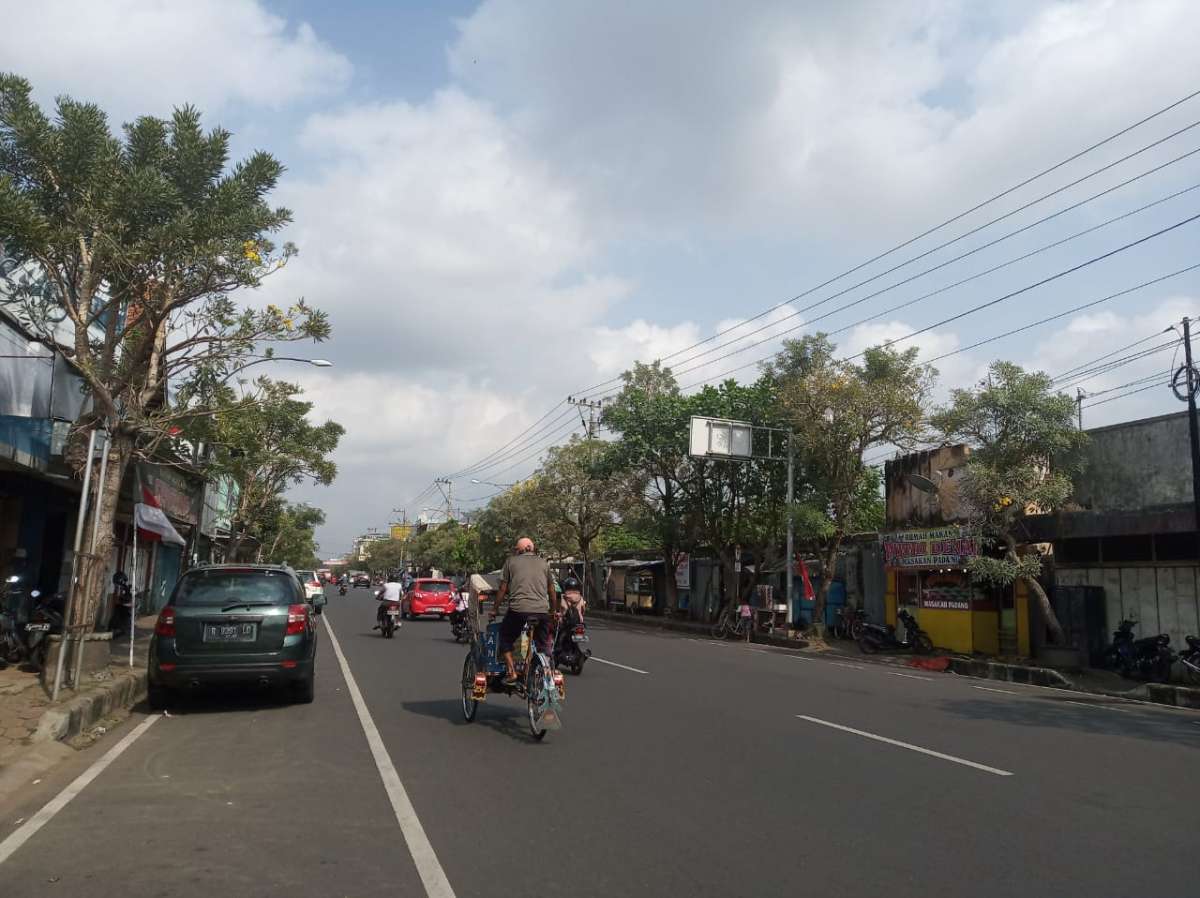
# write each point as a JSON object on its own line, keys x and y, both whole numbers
{"x": 289, "y": 535}
{"x": 1025, "y": 450}
{"x": 450, "y": 548}
{"x": 386, "y": 556}
{"x": 575, "y": 497}
{"x": 520, "y": 511}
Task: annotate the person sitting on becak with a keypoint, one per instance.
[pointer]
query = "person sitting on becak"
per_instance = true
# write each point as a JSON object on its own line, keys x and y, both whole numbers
{"x": 528, "y": 585}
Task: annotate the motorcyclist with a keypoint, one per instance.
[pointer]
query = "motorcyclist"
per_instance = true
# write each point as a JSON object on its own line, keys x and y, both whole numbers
{"x": 527, "y": 583}
{"x": 459, "y": 614}
{"x": 572, "y": 598}
{"x": 389, "y": 592}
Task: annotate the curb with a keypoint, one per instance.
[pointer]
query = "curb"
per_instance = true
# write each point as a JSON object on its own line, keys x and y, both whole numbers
{"x": 76, "y": 715}
{"x": 1155, "y": 693}
{"x": 694, "y": 629}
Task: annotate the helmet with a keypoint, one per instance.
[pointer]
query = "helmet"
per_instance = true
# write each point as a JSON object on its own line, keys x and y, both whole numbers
{"x": 570, "y": 584}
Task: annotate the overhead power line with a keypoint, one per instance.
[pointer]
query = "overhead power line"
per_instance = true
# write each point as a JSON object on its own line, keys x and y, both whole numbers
{"x": 949, "y": 221}
{"x": 1163, "y": 383}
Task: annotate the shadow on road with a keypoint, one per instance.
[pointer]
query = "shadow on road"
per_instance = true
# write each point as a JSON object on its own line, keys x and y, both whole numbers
{"x": 508, "y": 719}
{"x": 1063, "y": 712}
{"x": 224, "y": 700}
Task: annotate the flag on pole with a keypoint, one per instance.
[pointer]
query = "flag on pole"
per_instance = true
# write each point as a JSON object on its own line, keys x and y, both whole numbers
{"x": 151, "y": 520}
{"x": 802, "y": 570}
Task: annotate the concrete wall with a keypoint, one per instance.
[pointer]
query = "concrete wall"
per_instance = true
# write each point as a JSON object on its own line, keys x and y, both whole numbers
{"x": 1136, "y": 466}
{"x": 909, "y": 507}
{"x": 1161, "y": 598}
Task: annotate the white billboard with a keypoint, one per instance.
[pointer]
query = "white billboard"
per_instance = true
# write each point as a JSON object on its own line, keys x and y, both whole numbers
{"x": 719, "y": 438}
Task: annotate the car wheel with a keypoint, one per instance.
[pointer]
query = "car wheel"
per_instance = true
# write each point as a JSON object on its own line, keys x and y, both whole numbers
{"x": 305, "y": 690}
{"x": 157, "y": 696}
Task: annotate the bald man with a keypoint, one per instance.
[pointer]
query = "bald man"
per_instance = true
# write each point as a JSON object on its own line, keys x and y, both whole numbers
{"x": 528, "y": 585}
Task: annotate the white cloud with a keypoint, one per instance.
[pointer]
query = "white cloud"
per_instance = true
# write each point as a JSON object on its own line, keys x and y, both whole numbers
{"x": 141, "y": 56}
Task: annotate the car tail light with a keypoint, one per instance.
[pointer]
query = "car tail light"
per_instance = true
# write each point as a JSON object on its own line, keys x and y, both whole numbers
{"x": 166, "y": 623}
{"x": 297, "y": 622}
{"x": 166, "y": 667}
{"x": 287, "y": 665}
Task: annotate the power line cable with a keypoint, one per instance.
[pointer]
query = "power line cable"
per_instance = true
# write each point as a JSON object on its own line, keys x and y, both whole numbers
{"x": 1072, "y": 371}
{"x": 1089, "y": 374}
{"x": 950, "y": 221}
{"x": 482, "y": 468}
{"x": 919, "y": 299}
{"x": 471, "y": 468}
{"x": 1165, "y": 383}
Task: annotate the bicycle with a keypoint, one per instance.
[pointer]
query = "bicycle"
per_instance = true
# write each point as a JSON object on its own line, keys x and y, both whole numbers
{"x": 731, "y": 625}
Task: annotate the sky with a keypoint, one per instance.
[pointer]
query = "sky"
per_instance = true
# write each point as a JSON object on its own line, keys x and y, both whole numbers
{"x": 504, "y": 203}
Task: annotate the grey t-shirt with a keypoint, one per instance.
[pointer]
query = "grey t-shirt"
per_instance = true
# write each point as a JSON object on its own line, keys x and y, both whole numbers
{"x": 528, "y": 579}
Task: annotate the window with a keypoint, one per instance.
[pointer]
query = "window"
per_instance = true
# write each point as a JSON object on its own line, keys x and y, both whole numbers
{"x": 217, "y": 587}
{"x": 432, "y": 586}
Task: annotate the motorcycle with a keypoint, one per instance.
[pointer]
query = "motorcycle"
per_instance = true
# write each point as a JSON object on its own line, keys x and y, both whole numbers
{"x": 460, "y": 626}
{"x": 1190, "y": 659}
{"x": 570, "y": 649}
{"x": 45, "y": 619}
{"x": 883, "y": 638}
{"x": 1150, "y": 656}
{"x": 341, "y": 589}
{"x": 389, "y": 618}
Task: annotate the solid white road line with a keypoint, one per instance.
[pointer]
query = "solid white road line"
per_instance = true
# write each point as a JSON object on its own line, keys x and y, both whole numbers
{"x": 799, "y": 658}
{"x": 60, "y": 801}
{"x": 622, "y": 666}
{"x": 896, "y": 673}
{"x": 844, "y": 664}
{"x": 925, "y": 751}
{"x": 424, "y": 858}
{"x": 990, "y": 689}
{"x": 1067, "y": 701}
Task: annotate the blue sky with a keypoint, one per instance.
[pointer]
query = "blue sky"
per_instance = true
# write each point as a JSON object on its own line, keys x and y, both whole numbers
{"x": 500, "y": 203}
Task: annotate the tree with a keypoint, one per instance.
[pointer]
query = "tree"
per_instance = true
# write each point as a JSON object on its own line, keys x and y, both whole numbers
{"x": 650, "y": 461}
{"x": 838, "y": 410}
{"x": 451, "y": 548}
{"x": 387, "y": 555}
{"x": 289, "y": 535}
{"x": 1025, "y": 452}
{"x": 265, "y": 443}
{"x": 577, "y": 497}
{"x": 519, "y": 511}
{"x": 130, "y": 248}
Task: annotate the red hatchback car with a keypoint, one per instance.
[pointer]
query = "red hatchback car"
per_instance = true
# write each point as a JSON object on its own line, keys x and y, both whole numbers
{"x": 429, "y": 597}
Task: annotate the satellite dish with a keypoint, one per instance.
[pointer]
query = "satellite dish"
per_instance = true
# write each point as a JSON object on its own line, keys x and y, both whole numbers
{"x": 924, "y": 484}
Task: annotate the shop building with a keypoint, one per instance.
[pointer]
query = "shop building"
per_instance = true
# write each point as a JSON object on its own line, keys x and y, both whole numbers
{"x": 926, "y": 549}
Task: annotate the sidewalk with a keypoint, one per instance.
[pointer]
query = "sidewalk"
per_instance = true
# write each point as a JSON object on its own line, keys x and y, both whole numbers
{"x": 28, "y": 717}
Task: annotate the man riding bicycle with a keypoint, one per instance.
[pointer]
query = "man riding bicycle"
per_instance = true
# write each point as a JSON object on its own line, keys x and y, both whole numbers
{"x": 528, "y": 585}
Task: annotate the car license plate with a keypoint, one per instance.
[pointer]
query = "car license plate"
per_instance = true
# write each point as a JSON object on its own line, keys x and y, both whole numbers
{"x": 577, "y": 638}
{"x": 230, "y": 632}
{"x": 37, "y": 628}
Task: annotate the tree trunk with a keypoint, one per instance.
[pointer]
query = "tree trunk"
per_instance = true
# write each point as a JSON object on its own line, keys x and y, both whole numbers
{"x": 1043, "y": 600}
{"x": 731, "y": 577}
{"x": 92, "y": 571}
{"x": 822, "y": 596}
{"x": 669, "y": 584}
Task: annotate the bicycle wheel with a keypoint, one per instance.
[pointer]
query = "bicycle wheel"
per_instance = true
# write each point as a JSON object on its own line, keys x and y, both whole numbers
{"x": 470, "y": 707}
{"x": 535, "y": 696}
{"x": 719, "y": 628}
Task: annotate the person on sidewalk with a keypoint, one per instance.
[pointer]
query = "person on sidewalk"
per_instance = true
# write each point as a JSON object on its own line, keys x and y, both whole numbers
{"x": 528, "y": 585}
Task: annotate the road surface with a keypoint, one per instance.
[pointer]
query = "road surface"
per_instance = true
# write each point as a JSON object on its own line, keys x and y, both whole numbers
{"x": 685, "y": 767}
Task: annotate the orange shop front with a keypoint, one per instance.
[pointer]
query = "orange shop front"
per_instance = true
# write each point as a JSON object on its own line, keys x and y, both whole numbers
{"x": 926, "y": 572}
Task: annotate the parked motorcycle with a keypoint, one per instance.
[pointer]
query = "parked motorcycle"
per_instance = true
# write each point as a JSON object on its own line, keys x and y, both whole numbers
{"x": 570, "y": 643}
{"x": 45, "y": 619}
{"x": 118, "y": 624}
{"x": 883, "y": 638}
{"x": 1189, "y": 658}
{"x": 1149, "y": 657}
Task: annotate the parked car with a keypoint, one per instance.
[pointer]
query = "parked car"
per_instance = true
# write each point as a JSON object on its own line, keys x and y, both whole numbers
{"x": 362, "y": 580}
{"x": 428, "y": 597}
{"x": 312, "y": 584}
{"x": 248, "y": 624}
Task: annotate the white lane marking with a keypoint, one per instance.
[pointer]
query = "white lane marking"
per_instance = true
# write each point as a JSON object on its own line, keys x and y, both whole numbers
{"x": 896, "y": 673}
{"x": 799, "y": 658}
{"x": 896, "y": 742}
{"x": 433, "y": 877}
{"x": 60, "y": 801}
{"x": 844, "y": 664}
{"x": 622, "y": 666}
{"x": 1067, "y": 701}
{"x": 990, "y": 689}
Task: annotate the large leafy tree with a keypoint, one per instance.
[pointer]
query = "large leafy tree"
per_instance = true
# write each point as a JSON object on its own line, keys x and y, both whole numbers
{"x": 650, "y": 464}
{"x": 289, "y": 535}
{"x": 1025, "y": 453}
{"x": 577, "y": 499}
{"x": 519, "y": 511}
{"x": 838, "y": 410}
{"x": 451, "y": 548}
{"x": 264, "y": 442}
{"x": 130, "y": 248}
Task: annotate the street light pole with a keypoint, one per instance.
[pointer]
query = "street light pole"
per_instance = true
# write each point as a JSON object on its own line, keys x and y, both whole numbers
{"x": 791, "y": 526}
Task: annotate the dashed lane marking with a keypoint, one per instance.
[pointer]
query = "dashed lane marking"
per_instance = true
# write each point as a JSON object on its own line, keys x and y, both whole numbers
{"x": 622, "y": 666}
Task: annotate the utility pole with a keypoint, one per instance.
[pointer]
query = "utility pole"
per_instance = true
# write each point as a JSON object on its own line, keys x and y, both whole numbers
{"x": 447, "y": 494}
{"x": 591, "y": 423}
{"x": 791, "y": 527}
{"x": 1193, "y": 435}
{"x": 1079, "y": 397}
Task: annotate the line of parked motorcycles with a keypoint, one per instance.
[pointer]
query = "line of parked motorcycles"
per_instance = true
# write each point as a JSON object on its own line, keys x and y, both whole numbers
{"x": 1151, "y": 657}
{"x": 29, "y": 642}
{"x": 852, "y": 623}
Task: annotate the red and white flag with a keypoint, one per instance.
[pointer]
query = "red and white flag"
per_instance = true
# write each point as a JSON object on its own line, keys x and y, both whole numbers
{"x": 153, "y": 522}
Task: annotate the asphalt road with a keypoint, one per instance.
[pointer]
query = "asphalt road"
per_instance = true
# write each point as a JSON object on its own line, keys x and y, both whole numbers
{"x": 695, "y": 768}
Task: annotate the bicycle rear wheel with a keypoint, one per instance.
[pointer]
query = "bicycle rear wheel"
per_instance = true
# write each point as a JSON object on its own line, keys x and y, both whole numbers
{"x": 535, "y": 697}
{"x": 469, "y": 705}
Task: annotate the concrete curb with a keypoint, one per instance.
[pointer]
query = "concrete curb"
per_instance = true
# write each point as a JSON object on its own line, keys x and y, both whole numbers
{"x": 75, "y": 715}
{"x": 1157, "y": 693}
{"x": 694, "y": 629}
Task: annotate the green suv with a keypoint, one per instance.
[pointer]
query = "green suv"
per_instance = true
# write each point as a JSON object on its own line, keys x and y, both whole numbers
{"x": 235, "y": 623}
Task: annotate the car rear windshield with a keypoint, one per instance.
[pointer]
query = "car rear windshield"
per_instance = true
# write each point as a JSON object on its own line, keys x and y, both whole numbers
{"x": 306, "y": 576}
{"x": 432, "y": 586}
{"x": 227, "y": 587}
